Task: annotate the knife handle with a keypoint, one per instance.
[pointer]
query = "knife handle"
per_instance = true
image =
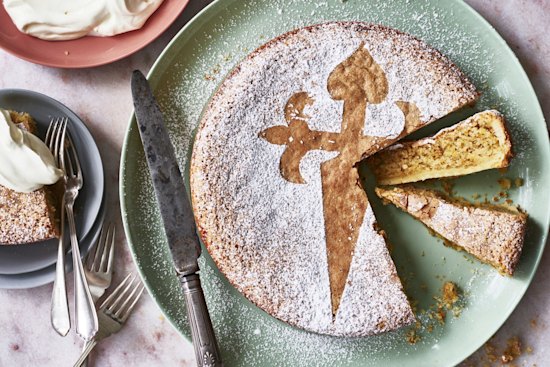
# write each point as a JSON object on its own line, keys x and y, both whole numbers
{"x": 202, "y": 332}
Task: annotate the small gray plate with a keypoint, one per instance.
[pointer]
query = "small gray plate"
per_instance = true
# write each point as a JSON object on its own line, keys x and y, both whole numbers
{"x": 26, "y": 258}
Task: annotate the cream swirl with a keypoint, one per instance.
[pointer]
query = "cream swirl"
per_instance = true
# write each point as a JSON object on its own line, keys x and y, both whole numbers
{"x": 70, "y": 19}
{"x": 26, "y": 163}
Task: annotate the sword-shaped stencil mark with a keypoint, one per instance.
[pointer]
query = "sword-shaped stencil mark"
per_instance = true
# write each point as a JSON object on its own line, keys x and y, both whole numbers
{"x": 357, "y": 81}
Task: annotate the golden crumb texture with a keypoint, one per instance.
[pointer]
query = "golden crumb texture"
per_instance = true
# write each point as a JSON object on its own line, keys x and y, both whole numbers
{"x": 476, "y": 144}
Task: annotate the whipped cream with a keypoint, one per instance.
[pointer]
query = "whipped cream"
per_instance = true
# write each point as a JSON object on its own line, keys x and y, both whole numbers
{"x": 26, "y": 163}
{"x": 70, "y": 19}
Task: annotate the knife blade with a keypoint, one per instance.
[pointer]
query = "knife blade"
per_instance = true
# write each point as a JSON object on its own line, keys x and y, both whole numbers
{"x": 177, "y": 216}
{"x": 171, "y": 194}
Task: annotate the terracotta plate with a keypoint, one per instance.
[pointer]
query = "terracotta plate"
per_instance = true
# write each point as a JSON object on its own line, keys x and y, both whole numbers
{"x": 87, "y": 51}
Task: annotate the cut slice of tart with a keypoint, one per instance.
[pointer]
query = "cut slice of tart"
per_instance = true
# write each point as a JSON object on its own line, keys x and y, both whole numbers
{"x": 492, "y": 233}
{"x": 476, "y": 144}
{"x": 28, "y": 217}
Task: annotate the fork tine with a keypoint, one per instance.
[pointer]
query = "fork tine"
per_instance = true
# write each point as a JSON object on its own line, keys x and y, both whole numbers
{"x": 60, "y": 144}
{"x": 109, "y": 301}
{"x": 99, "y": 250}
{"x": 49, "y": 132}
{"x": 120, "y": 308}
{"x": 75, "y": 156}
{"x": 134, "y": 296}
{"x": 59, "y": 141}
{"x": 51, "y": 137}
{"x": 92, "y": 255}
{"x": 70, "y": 160}
{"x": 122, "y": 296}
{"x": 109, "y": 251}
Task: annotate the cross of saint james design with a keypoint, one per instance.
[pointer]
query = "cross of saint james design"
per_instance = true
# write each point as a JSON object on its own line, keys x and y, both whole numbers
{"x": 357, "y": 81}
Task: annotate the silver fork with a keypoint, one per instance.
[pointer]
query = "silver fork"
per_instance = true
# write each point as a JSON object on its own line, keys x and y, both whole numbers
{"x": 99, "y": 264}
{"x": 85, "y": 313}
{"x": 59, "y": 314}
{"x": 114, "y": 311}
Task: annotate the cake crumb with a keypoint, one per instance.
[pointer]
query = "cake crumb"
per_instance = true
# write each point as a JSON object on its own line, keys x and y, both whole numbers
{"x": 212, "y": 74}
{"x": 412, "y": 336}
{"x": 447, "y": 186}
{"x": 505, "y": 183}
{"x": 490, "y": 351}
{"x": 518, "y": 182}
{"x": 449, "y": 301}
{"x": 450, "y": 294}
{"x": 512, "y": 351}
{"x": 440, "y": 315}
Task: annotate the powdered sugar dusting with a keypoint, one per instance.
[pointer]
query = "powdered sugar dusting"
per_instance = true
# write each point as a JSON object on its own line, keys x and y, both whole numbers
{"x": 387, "y": 305}
{"x": 384, "y": 120}
{"x": 183, "y": 91}
{"x": 265, "y": 233}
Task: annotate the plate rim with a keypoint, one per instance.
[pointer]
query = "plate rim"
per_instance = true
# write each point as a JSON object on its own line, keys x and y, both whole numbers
{"x": 154, "y": 75}
{"x": 84, "y": 65}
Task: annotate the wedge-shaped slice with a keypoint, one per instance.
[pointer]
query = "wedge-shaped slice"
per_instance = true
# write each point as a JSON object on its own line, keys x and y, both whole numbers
{"x": 494, "y": 234}
{"x": 478, "y": 143}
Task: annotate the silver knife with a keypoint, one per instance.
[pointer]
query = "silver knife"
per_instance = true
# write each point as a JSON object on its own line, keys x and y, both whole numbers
{"x": 177, "y": 217}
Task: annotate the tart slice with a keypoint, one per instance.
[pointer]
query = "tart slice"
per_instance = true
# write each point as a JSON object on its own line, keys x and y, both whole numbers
{"x": 476, "y": 144}
{"x": 492, "y": 233}
{"x": 28, "y": 217}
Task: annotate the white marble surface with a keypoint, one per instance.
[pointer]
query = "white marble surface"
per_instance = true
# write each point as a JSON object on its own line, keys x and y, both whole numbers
{"x": 101, "y": 96}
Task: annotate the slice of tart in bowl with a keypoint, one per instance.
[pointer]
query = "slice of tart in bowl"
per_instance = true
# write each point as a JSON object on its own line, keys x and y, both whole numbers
{"x": 476, "y": 144}
{"x": 28, "y": 213}
{"x": 492, "y": 233}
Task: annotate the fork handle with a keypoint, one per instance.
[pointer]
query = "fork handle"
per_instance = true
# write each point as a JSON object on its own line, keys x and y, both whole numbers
{"x": 202, "y": 332}
{"x": 60, "y": 318}
{"x": 87, "y": 349}
{"x": 86, "y": 316}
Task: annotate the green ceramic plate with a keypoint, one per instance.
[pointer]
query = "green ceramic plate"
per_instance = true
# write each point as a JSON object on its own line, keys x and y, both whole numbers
{"x": 188, "y": 72}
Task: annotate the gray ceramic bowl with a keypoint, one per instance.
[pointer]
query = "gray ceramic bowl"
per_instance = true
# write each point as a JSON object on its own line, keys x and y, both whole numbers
{"x": 26, "y": 258}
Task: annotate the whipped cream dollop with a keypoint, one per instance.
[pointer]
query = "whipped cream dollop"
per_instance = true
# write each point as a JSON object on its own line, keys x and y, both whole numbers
{"x": 26, "y": 163}
{"x": 70, "y": 19}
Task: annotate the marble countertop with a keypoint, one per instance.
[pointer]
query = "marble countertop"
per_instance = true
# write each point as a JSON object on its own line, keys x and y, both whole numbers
{"x": 148, "y": 339}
